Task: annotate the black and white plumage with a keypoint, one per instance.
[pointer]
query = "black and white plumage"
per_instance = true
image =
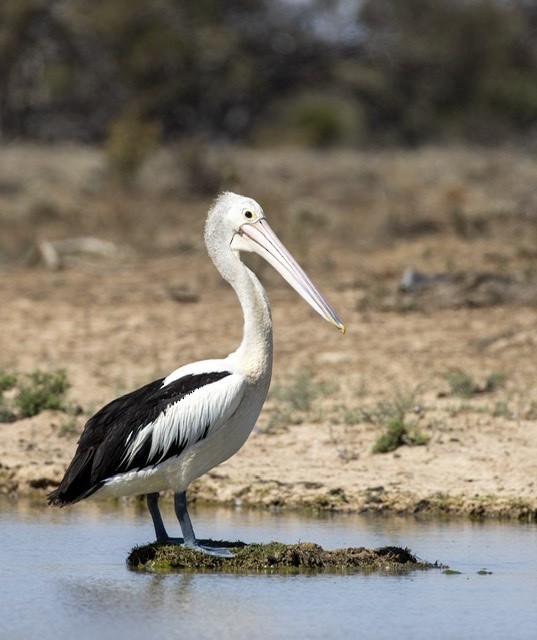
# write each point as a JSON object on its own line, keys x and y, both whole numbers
{"x": 173, "y": 430}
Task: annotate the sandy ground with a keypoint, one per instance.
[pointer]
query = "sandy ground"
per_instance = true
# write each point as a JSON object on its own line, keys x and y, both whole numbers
{"x": 120, "y": 322}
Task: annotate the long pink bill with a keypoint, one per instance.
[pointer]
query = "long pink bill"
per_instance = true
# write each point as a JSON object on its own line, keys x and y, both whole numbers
{"x": 265, "y": 243}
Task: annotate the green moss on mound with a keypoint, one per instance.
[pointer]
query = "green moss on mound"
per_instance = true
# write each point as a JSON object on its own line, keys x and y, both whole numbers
{"x": 273, "y": 557}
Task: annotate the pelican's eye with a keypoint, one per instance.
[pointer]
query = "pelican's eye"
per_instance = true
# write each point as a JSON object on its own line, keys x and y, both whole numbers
{"x": 248, "y": 214}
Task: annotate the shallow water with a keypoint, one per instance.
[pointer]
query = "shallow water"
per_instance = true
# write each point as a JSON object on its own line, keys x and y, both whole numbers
{"x": 63, "y": 575}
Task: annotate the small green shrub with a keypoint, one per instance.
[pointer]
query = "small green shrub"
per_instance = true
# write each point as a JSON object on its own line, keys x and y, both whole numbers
{"x": 494, "y": 381}
{"x": 501, "y": 410}
{"x": 397, "y": 432}
{"x": 43, "y": 390}
{"x": 461, "y": 383}
{"x": 7, "y": 380}
{"x": 397, "y": 429}
{"x": 6, "y": 414}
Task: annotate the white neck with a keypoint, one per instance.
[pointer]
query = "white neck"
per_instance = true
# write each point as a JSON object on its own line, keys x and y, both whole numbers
{"x": 254, "y": 354}
{"x": 255, "y": 350}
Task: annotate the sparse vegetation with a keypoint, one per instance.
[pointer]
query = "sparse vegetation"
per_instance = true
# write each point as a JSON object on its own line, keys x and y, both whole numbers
{"x": 300, "y": 393}
{"x": 494, "y": 381}
{"x": 7, "y": 380}
{"x": 397, "y": 429}
{"x": 344, "y": 452}
{"x": 502, "y": 410}
{"x": 281, "y": 418}
{"x": 295, "y": 402}
{"x": 397, "y": 433}
{"x": 32, "y": 393}
{"x": 345, "y": 197}
{"x": 42, "y": 390}
{"x": 6, "y": 414}
{"x": 351, "y": 415}
{"x": 463, "y": 384}
{"x": 390, "y": 415}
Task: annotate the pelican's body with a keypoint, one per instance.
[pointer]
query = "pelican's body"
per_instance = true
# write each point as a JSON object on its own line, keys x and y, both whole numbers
{"x": 173, "y": 430}
{"x": 225, "y": 399}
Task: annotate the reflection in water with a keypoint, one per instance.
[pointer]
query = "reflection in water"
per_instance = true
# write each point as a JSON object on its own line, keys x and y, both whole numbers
{"x": 66, "y": 577}
{"x": 181, "y": 602}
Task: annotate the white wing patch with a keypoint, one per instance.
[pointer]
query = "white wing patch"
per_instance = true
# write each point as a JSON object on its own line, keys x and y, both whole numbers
{"x": 203, "y": 411}
{"x": 201, "y": 367}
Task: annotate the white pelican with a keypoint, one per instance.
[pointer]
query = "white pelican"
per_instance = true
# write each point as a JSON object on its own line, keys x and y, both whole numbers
{"x": 173, "y": 430}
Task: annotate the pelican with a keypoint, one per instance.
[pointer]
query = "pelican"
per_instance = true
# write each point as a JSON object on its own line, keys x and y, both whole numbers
{"x": 173, "y": 430}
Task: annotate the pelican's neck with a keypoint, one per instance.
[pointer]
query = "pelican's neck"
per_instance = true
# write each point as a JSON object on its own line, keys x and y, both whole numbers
{"x": 255, "y": 351}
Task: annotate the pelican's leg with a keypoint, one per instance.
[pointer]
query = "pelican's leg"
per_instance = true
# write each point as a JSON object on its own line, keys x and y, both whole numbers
{"x": 181, "y": 512}
{"x": 160, "y": 529}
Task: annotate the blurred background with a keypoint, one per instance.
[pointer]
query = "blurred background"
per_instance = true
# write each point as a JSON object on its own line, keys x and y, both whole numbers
{"x": 313, "y": 72}
{"x": 371, "y": 120}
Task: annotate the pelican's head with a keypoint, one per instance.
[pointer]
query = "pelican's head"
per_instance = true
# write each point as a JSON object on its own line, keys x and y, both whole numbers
{"x": 240, "y": 221}
{"x": 230, "y": 211}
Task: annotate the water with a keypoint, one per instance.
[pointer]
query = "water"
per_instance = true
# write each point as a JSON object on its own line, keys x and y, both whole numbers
{"x": 63, "y": 575}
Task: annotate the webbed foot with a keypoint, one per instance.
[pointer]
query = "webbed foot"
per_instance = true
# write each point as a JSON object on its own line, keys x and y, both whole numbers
{"x": 219, "y": 552}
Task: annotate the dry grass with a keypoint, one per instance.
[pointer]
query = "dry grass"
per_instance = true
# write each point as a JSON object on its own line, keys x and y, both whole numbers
{"x": 476, "y": 208}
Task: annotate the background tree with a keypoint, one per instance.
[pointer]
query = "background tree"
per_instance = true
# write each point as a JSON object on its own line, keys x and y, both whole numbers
{"x": 372, "y": 71}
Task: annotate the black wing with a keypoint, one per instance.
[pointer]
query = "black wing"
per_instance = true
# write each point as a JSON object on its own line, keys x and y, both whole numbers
{"x": 101, "y": 448}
